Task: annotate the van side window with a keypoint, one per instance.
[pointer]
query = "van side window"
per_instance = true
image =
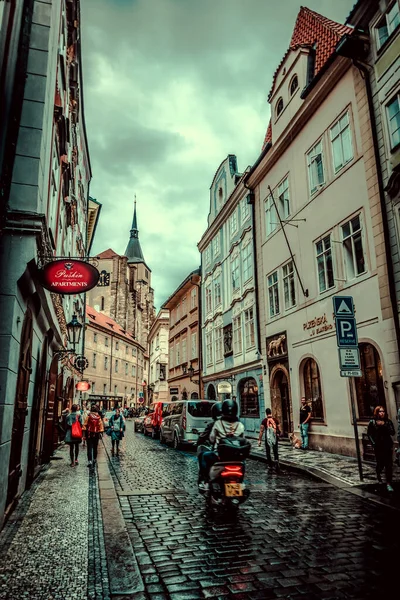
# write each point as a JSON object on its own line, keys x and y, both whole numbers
{"x": 166, "y": 410}
{"x": 178, "y": 408}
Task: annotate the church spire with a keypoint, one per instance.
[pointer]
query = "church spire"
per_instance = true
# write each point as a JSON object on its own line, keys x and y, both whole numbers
{"x": 133, "y": 250}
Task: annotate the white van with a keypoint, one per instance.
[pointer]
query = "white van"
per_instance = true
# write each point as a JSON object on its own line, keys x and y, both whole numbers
{"x": 184, "y": 420}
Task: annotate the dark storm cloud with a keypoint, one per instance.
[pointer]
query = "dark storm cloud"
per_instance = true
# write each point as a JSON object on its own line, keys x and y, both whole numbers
{"x": 171, "y": 88}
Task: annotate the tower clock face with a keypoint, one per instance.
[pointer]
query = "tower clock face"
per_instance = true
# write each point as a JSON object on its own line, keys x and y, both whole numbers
{"x": 104, "y": 279}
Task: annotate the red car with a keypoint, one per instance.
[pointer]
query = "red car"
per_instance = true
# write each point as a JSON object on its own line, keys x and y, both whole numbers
{"x": 151, "y": 424}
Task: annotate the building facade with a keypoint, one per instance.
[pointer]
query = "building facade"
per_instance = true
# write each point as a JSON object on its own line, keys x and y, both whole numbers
{"x": 45, "y": 175}
{"x": 381, "y": 20}
{"x": 231, "y": 345}
{"x": 319, "y": 234}
{"x": 158, "y": 345}
{"x": 116, "y": 370}
{"x": 184, "y": 352}
{"x": 124, "y": 291}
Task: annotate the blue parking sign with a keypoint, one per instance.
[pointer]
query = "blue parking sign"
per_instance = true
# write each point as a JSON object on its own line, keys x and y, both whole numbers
{"x": 346, "y": 332}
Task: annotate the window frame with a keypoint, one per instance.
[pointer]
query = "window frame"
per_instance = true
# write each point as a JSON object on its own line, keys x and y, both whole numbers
{"x": 237, "y": 334}
{"x": 287, "y": 279}
{"x": 359, "y": 231}
{"x": 339, "y": 135}
{"x": 311, "y": 160}
{"x": 218, "y": 344}
{"x": 280, "y": 192}
{"x": 249, "y": 328}
{"x": 217, "y": 285}
{"x": 274, "y": 286}
{"x": 394, "y": 98}
{"x": 209, "y": 348}
{"x": 245, "y": 210}
{"x": 279, "y": 107}
{"x": 270, "y": 211}
{"x": 384, "y": 18}
{"x": 233, "y": 223}
{"x": 247, "y": 262}
{"x": 235, "y": 269}
{"x": 310, "y": 387}
{"x": 216, "y": 245}
{"x": 324, "y": 253}
{"x": 294, "y": 78}
{"x": 208, "y": 297}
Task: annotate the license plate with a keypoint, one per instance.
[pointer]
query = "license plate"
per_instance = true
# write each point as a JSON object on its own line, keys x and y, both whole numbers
{"x": 233, "y": 489}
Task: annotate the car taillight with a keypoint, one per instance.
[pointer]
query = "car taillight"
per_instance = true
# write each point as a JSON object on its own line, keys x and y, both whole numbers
{"x": 232, "y": 471}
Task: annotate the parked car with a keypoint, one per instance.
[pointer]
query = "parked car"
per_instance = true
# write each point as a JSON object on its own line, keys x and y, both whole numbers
{"x": 138, "y": 421}
{"x": 184, "y": 420}
{"x": 152, "y": 423}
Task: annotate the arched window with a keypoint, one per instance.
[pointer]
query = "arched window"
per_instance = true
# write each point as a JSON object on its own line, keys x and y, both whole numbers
{"x": 248, "y": 394}
{"x": 369, "y": 388}
{"x": 211, "y": 392}
{"x": 279, "y": 107}
{"x": 194, "y": 396}
{"x": 294, "y": 84}
{"x": 312, "y": 389}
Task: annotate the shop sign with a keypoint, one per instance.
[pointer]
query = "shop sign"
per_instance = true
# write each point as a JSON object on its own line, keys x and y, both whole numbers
{"x": 317, "y": 325}
{"x": 82, "y": 386}
{"x": 173, "y": 391}
{"x": 224, "y": 387}
{"x": 69, "y": 276}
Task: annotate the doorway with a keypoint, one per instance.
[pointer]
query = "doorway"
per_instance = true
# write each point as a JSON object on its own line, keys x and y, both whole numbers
{"x": 281, "y": 402}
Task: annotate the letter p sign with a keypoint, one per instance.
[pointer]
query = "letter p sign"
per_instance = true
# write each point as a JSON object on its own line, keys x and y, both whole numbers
{"x": 346, "y": 332}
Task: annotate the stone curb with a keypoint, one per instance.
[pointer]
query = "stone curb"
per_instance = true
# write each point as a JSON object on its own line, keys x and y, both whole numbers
{"x": 327, "y": 478}
{"x": 123, "y": 570}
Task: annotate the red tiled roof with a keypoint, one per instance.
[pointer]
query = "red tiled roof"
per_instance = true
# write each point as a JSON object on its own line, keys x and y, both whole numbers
{"x": 311, "y": 28}
{"x": 107, "y": 323}
{"x": 107, "y": 254}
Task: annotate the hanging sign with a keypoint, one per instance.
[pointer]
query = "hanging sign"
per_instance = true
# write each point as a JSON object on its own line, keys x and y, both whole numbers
{"x": 224, "y": 388}
{"x": 69, "y": 276}
{"x": 82, "y": 386}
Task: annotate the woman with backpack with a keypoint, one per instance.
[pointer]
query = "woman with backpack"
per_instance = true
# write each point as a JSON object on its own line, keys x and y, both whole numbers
{"x": 116, "y": 428}
{"x": 73, "y": 435}
{"x": 272, "y": 432}
{"x": 94, "y": 427}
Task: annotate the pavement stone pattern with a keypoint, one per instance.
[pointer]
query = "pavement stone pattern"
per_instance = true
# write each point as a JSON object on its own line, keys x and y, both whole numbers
{"x": 344, "y": 468}
{"x": 296, "y": 538}
{"x": 98, "y": 581}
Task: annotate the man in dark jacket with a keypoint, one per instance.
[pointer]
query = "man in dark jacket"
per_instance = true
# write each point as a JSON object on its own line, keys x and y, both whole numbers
{"x": 203, "y": 443}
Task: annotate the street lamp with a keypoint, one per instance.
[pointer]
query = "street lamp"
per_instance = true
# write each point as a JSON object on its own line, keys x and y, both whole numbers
{"x": 74, "y": 330}
{"x": 191, "y": 373}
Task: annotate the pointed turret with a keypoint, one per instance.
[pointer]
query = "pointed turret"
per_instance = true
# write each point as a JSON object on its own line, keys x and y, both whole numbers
{"x": 133, "y": 250}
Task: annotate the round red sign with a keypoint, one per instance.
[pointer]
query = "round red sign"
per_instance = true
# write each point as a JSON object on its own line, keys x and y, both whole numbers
{"x": 69, "y": 276}
{"x": 82, "y": 386}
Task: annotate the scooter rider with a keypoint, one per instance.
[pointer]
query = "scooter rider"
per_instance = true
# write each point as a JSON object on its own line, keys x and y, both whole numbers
{"x": 203, "y": 443}
{"x": 227, "y": 426}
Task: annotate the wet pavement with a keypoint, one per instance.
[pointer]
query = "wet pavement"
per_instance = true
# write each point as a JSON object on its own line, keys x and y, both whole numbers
{"x": 295, "y": 537}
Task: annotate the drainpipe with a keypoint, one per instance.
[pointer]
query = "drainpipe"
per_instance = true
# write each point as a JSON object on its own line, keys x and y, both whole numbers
{"x": 253, "y": 224}
{"x": 392, "y": 287}
{"x": 200, "y": 336}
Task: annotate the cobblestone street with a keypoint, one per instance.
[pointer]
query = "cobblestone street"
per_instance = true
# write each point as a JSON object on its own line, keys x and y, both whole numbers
{"x": 295, "y": 538}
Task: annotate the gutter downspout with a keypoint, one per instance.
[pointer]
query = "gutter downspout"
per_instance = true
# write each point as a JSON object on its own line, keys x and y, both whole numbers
{"x": 200, "y": 361}
{"x": 250, "y": 200}
{"x": 392, "y": 287}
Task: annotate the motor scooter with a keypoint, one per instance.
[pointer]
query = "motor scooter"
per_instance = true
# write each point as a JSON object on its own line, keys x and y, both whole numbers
{"x": 226, "y": 488}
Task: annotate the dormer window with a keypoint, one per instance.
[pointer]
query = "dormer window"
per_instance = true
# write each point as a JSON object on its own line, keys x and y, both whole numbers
{"x": 279, "y": 107}
{"x": 220, "y": 195}
{"x": 294, "y": 84}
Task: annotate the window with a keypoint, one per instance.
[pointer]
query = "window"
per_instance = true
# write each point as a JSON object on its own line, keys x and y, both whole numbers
{"x": 102, "y": 303}
{"x": 294, "y": 84}
{"x": 94, "y": 360}
{"x": 218, "y": 345}
{"x": 235, "y": 273}
{"x": 237, "y": 334}
{"x": 193, "y": 298}
{"x": 133, "y": 351}
{"x": 283, "y": 199}
{"x": 184, "y": 307}
{"x": 104, "y": 388}
{"x": 146, "y": 273}
{"x": 245, "y": 209}
{"x": 353, "y": 248}
{"x": 325, "y": 264}
{"x": 216, "y": 246}
{"x": 387, "y": 24}
{"x": 289, "y": 290}
{"x": 116, "y": 366}
{"x": 126, "y": 390}
{"x": 273, "y": 294}
{"x": 207, "y": 255}
{"x": 115, "y": 390}
{"x": 105, "y": 363}
{"x": 315, "y": 166}
{"x": 342, "y": 149}
{"x": 95, "y": 338}
{"x": 312, "y": 389}
{"x": 233, "y": 223}
{"x": 184, "y": 351}
{"x": 194, "y": 345}
{"x": 133, "y": 371}
{"x": 248, "y": 393}
{"x": 249, "y": 328}
{"x": 126, "y": 349}
{"x": 116, "y": 345}
{"x": 279, "y": 107}
{"x": 369, "y": 388}
{"x": 247, "y": 262}
{"x": 208, "y": 298}
{"x": 106, "y": 341}
{"x": 177, "y": 354}
{"x": 393, "y": 114}
{"x": 271, "y": 219}
{"x": 217, "y": 291}
{"x": 126, "y": 368}
{"x": 209, "y": 354}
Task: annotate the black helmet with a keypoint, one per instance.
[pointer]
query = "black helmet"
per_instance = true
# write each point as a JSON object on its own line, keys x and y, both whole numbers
{"x": 216, "y": 410}
{"x": 229, "y": 409}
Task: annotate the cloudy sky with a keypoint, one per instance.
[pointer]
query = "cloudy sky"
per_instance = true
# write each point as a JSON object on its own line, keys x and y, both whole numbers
{"x": 171, "y": 88}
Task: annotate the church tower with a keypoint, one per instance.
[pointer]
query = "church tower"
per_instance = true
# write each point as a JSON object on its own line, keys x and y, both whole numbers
{"x": 141, "y": 317}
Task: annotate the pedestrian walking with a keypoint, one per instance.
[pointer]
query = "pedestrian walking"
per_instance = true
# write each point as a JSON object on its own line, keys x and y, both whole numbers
{"x": 85, "y": 414}
{"x": 73, "y": 435}
{"x": 305, "y": 416}
{"x": 272, "y": 432}
{"x": 94, "y": 428}
{"x": 380, "y": 431}
{"x": 116, "y": 428}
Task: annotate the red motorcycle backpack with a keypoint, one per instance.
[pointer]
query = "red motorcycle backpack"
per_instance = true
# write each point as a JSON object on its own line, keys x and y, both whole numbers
{"x": 94, "y": 424}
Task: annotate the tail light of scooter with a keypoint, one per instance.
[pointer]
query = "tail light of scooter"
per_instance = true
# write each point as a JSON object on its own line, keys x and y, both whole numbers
{"x": 232, "y": 471}
{"x": 184, "y": 418}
